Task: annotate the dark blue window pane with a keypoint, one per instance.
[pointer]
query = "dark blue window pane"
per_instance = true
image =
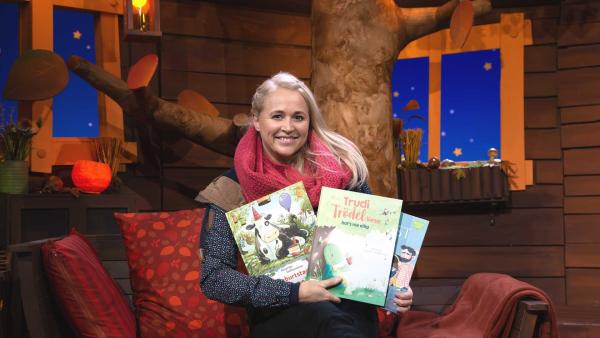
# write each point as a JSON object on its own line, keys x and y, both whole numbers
{"x": 470, "y": 116}
{"x": 9, "y": 51}
{"x": 410, "y": 97}
{"x": 75, "y": 110}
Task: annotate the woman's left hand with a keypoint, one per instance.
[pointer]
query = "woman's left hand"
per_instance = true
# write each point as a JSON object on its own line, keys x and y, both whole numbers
{"x": 403, "y": 300}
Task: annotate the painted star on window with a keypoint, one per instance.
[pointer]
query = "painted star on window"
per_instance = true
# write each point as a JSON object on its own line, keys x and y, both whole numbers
{"x": 487, "y": 66}
{"x": 77, "y": 35}
{"x": 457, "y": 152}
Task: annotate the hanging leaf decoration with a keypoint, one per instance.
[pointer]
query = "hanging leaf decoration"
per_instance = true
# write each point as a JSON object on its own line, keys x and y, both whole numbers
{"x": 141, "y": 73}
{"x": 196, "y": 102}
{"x": 36, "y": 75}
{"x": 411, "y": 105}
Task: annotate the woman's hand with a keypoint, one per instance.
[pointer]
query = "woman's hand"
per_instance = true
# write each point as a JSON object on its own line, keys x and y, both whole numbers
{"x": 403, "y": 300}
{"x": 316, "y": 290}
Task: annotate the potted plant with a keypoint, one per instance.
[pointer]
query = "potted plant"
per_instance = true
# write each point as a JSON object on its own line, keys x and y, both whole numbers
{"x": 15, "y": 146}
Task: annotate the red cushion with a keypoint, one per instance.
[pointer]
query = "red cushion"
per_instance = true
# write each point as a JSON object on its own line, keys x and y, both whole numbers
{"x": 162, "y": 249}
{"x": 91, "y": 299}
{"x": 387, "y": 323}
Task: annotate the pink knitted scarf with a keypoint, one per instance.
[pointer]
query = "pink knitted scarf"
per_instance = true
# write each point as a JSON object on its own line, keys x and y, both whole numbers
{"x": 260, "y": 176}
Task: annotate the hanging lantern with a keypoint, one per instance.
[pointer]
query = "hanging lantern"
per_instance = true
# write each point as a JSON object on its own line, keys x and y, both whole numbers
{"x": 90, "y": 176}
{"x": 142, "y": 20}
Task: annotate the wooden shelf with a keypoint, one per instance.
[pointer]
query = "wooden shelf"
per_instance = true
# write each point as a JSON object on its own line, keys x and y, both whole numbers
{"x": 423, "y": 186}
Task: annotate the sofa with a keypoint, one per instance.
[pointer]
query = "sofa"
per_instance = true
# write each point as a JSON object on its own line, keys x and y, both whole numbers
{"x": 66, "y": 292}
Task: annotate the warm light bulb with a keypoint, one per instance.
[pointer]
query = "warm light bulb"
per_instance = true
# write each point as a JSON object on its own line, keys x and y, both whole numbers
{"x": 139, "y": 3}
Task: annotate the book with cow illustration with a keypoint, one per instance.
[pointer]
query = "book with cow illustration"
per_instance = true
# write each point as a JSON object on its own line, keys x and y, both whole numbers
{"x": 355, "y": 239}
{"x": 274, "y": 234}
{"x": 408, "y": 247}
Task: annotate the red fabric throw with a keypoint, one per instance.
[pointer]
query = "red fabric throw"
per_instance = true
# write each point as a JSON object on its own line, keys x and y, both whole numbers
{"x": 259, "y": 176}
{"x": 485, "y": 307}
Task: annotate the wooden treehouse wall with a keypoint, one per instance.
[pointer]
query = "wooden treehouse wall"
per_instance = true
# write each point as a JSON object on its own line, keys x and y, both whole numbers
{"x": 223, "y": 52}
{"x": 548, "y": 235}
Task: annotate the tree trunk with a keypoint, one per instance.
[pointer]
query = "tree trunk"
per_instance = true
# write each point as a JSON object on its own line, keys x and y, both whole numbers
{"x": 355, "y": 44}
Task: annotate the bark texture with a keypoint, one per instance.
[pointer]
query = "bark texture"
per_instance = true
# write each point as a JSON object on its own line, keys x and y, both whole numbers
{"x": 355, "y": 44}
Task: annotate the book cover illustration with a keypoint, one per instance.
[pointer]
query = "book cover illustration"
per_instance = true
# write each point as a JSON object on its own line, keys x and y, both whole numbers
{"x": 274, "y": 233}
{"x": 408, "y": 246}
{"x": 355, "y": 238}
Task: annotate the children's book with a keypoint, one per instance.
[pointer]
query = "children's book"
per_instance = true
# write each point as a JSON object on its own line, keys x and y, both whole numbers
{"x": 275, "y": 233}
{"x": 355, "y": 239}
{"x": 408, "y": 246}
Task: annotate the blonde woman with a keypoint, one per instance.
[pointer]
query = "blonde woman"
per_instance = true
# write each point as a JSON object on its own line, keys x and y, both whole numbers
{"x": 287, "y": 142}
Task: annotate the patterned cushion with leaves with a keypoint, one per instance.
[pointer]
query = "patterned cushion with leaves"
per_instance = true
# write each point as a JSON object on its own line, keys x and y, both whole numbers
{"x": 163, "y": 253}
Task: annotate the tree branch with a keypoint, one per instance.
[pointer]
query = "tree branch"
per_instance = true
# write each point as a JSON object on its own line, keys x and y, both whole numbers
{"x": 216, "y": 133}
{"x": 423, "y": 21}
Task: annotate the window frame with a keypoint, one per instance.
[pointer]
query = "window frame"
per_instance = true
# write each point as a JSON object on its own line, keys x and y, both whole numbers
{"x": 37, "y": 32}
{"x": 510, "y": 36}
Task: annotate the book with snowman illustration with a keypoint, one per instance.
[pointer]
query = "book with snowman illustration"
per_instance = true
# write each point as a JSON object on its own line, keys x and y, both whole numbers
{"x": 274, "y": 234}
{"x": 355, "y": 239}
{"x": 408, "y": 247}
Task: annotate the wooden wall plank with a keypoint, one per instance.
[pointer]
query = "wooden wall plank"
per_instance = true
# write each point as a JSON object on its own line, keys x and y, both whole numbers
{"x": 548, "y": 172}
{"x": 108, "y": 247}
{"x": 575, "y": 329}
{"x": 541, "y": 112}
{"x": 539, "y": 11}
{"x": 582, "y": 255}
{"x": 544, "y": 31}
{"x": 582, "y": 286}
{"x": 582, "y": 161}
{"x": 580, "y": 135}
{"x": 147, "y": 190}
{"x": 181, "y": 185}
{"x": 582, "y": 11}
{"x": 538, "y": 196}
{"x": 521, "y": 261}
{"x": 183, "y": 153}
{"x": 230, "y": 110}
{"x": 579, "y": 56}
{"x": 582, "y": 185}
{"x": 582, "y": 228}
{"x": 554, "y": 287}
{"x": 580, "y": 114}
{"x": 542, "y": 144}
{"x": 117, "y": 269}
{"x": 577, "y": 33}
{"x": 216, "y": 88}
{"x": 512, "y": 227}
{"x": 578, "y": 87}
{"x": 582, "y": 205}
{"x": 234, "y": 23}
{"x": 443, "y": 291}
{"x": 192, "y": 54}
{"x": 540, "y": 84}
{"x": 540, "y": 58}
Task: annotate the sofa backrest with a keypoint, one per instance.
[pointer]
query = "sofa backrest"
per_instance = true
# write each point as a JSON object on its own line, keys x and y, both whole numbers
{"x": 34, "y": 309}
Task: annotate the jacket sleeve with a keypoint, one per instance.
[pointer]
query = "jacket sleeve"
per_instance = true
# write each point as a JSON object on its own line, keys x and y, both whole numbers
{"x": 220, "y": 280}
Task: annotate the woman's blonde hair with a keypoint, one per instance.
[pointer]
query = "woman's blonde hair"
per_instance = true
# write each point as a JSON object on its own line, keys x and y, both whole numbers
{"x": 340, "y": 147}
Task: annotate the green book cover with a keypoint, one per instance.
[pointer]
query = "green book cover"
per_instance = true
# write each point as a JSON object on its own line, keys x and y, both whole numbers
{"x": 355, "y": 239}
{"x": 274, "y": 234}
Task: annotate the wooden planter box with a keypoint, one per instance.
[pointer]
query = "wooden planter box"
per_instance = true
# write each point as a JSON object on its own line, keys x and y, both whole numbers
{"x": 440, "y": 186}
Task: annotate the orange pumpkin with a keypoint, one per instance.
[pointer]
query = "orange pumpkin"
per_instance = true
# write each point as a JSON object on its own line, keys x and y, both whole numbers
{"x": 90, "y": 176}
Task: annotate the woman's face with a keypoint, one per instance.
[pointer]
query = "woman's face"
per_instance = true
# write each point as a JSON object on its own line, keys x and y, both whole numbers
{"x": 283, "y": 124}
